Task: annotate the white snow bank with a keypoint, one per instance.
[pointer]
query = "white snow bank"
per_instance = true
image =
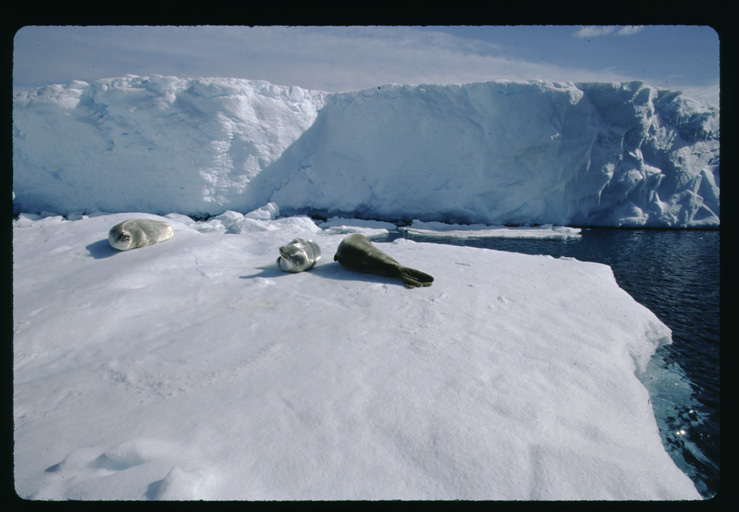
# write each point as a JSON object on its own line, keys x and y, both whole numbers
{"x": 623, "y": 154}
{"x": 195, "y": 369}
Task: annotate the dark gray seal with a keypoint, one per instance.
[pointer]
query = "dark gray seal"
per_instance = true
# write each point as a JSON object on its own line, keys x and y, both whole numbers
{"x": 133, "y": 233}
{"x": 298, "y": 255}
{"x": 357, "y": 253}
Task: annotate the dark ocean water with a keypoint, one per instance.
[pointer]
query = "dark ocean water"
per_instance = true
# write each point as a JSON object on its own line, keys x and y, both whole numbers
{"x": 674, "y": 273}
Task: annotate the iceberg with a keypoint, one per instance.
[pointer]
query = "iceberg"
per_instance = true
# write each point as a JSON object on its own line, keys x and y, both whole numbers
{"x": 496, "y": 153}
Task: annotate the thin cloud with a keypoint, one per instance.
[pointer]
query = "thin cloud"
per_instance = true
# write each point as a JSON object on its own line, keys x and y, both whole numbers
{"x": 334, "y": 59}
{"x": 600, "y": 31}
{"x": 631, "y": 29}
{"x": 592, "y": 31}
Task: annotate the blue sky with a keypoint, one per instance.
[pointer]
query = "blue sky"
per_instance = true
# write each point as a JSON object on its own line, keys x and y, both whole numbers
{"x": 352, "y": 58}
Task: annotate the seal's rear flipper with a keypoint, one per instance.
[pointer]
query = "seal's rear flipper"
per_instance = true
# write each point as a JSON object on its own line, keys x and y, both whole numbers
{"x": 414, "y": 278}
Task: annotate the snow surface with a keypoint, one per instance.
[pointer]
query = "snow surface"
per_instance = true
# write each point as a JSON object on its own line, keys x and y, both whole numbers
{"x": 195, "y": 369}
{"x": 512, "y": 153}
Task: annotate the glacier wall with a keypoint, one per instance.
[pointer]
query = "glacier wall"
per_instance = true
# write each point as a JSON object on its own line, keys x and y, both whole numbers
{"x": 153, "y": 144}
{"x": 598, "y": 154}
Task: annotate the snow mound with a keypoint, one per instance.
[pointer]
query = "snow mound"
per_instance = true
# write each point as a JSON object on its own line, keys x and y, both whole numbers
{"x": 599, "y": 154}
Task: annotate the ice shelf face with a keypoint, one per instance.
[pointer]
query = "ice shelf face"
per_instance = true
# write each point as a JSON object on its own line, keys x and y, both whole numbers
{"x": 600, "y": 154}
{"x": 155, "y": 144}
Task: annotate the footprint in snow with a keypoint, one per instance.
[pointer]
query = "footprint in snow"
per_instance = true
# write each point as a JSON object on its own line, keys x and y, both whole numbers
{"x": 133, "y": 461}
{"x": 179, "y": 484}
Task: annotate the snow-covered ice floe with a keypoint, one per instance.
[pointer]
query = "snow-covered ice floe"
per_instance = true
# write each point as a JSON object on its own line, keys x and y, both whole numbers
{"x": 443, "y": 230}
{"x": 368, "y": 228}
{"x": 196, "y": 369}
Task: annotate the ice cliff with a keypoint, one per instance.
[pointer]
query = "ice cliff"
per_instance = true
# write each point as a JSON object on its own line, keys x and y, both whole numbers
{"x": 598, "y": 154}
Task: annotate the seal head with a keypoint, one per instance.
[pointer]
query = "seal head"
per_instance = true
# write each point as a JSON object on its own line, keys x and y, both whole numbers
{"x": 298, "y": 255}
{"x": 134, "y": 233}
{"x": 357, "y": 253}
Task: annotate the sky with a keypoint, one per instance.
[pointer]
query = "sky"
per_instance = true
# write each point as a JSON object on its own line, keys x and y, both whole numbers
{"x": 333, "y": 58}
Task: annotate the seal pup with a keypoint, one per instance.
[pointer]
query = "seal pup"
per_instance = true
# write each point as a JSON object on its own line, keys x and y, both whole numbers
{"x": 298, "y": 255}
{"x": 133, "y": 233}
{"x": 357, "y": 253}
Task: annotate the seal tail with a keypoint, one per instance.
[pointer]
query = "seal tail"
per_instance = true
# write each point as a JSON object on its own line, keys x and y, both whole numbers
{"x": 413, "y": 278}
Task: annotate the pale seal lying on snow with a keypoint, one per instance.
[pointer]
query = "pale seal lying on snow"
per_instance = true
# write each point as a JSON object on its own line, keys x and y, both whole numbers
{"x": 356, "y": 252}
{"x": 133, "y": 233}
{"x": 298, "y": 255}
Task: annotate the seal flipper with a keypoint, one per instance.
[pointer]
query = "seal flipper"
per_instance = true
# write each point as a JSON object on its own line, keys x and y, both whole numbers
{"x": 413, "y": 278}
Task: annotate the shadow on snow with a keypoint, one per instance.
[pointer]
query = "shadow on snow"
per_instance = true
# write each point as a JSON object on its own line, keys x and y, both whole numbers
{"x": 332, "y": 270}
